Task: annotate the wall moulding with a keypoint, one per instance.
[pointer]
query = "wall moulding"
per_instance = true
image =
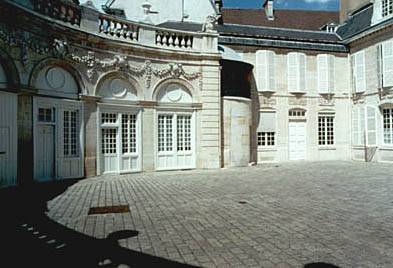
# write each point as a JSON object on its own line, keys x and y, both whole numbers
{"x": 121, "y": 63}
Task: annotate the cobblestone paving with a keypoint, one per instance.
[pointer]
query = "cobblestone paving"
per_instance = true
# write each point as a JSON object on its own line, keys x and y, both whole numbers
{"x": 284, "y": 215}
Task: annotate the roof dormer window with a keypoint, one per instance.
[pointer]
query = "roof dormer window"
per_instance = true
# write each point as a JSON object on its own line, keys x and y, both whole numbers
{"x": 387, "y": 8}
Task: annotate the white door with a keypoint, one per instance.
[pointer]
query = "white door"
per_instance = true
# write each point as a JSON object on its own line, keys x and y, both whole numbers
{"x": 70, "y": 160}
{"x": 119, "y": 143}
{"x": 297, "y": 140}
{"x": 110, "y": 158}
{"x": 4, "y": 154}
{"x": 45, "y": 148}
{"x": 8, "y": 139}
{"x": 175, "y": 142}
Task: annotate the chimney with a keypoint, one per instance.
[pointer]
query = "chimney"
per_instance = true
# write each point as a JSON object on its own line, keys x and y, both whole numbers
{"x": 269, "y": 9}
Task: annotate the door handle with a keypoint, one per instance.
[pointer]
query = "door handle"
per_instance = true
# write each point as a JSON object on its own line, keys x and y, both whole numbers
{"x": 2, "y": 153}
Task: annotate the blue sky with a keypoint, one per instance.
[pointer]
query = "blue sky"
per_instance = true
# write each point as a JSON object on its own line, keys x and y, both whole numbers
{"x": 286, "y": 4}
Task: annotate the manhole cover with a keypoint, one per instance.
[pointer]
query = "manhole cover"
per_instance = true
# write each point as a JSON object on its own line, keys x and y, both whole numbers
{"x": 110, "y": 209}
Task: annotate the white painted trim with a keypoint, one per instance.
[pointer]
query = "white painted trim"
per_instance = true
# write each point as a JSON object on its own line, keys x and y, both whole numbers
{"x": 119, "y": 109}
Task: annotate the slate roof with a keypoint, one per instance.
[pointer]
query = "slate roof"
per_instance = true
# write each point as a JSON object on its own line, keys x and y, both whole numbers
{"x": 356, "y": 23}
{"x": 276, "y": 33}
{"x": 293, "y": 19}
{"x": 256, "y": 32}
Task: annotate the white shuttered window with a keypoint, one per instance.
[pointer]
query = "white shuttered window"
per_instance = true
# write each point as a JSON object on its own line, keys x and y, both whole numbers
{"x": 325, "y": 74}
{"x": 359, "y": 72}
{"x": 387, "y": 64}
{"x": 358, "y": 126}
{"x": 364, "y": 126}
{"x": 296, "y": 72}
{"x": 266, "y": 80}
{"x": 266, "y": 132}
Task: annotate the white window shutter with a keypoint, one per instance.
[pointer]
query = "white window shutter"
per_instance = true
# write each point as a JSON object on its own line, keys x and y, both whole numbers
{"x": 362, "y": 126}
{"x": 380, "y": 65}
{"x": 302, "y": 72}
{"x": 353, "y": 72}
{"x": 388, "y": 64}
{"x": 360, "y": 72}
{"x": 371, "y": 126}
{"x": 271, "y": 60}
{"x": 293, "y": 72}
{"x": 331, "y": 73}
{"x": 267, "y": 122}
{"x": 355, "y": 126}
{"x": 261, "y": 70}
{"x": 322, "y": 74}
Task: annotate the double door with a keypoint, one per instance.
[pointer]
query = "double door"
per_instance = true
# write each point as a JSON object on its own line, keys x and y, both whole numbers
{"x": 58, "y": 142}
{"x": 120, "y": 144}
{"x": 175, "y": 141}
{"x": 8, "y": 139}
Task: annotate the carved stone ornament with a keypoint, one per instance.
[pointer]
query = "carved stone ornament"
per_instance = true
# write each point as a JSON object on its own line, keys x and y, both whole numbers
{"x": 358, "y": 99}
{"x": 297, "y": 101}
{"x": 327, "y": 100}
{"x": 267, "y": 101}
{"x": 120, "y": 63}
{"x": 59, "y": 48}
{"x": 386, "y": 94}
{"x": 24, "y": 41}
{"x": 208, "y": 26}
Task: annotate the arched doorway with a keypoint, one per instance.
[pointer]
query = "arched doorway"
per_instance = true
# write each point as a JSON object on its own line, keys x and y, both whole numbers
{"x": 57, "y": 125}
{"x": 119, "y": 126}
{"x": 8, "y": 132}
{"x": 175, "y": 128}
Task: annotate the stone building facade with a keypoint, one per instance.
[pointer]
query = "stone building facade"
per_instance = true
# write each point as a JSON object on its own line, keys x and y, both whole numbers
{"x": 87, "y": 91}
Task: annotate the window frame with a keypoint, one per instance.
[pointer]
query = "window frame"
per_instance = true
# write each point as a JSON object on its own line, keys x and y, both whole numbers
{"x": 325, "y": 130}
{"x": 391, "y": 127}
{"x": 388, "y": 8}
{"x": 269, "y": 138}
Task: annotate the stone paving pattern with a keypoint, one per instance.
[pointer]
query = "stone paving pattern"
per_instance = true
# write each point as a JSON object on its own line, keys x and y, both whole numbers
{"x": 278, "y": 215}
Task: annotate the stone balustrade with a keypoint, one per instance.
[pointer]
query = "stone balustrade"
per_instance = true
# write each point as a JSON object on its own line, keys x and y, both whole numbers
{"x": 174, "y": 40}
{"x": 59, "y": 10}
{"x": 89, "y": 20}
{"x": 118, "y": 28}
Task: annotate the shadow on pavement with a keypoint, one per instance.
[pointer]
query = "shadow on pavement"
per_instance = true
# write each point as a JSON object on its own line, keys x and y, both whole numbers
{"x": 29, "y": 238}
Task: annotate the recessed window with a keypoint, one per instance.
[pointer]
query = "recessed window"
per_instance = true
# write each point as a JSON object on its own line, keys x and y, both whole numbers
{"x": 109, "y": 143}
{"x": 165, "y": 133}
{"x": 46, "y": 115}
{"x": 70, "y": 136}
{"x": 128, "y": 122}
{"x": 326, "y": 130}
{"x": 184, "y": 133}
{"x": 266, "y": 139}
{"x": 387, "y": 7}
{"x": 266, "y": 132}
{"x": 297, "y": 113}
{"x": 388, "y": 126}
{"x": 108, "y": 118}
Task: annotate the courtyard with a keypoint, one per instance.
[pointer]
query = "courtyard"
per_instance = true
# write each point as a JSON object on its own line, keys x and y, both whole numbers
{"x": 277, "y": 215}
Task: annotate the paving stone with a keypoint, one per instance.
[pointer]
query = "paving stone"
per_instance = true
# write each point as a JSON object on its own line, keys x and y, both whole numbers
{"x": 334, "y": 212}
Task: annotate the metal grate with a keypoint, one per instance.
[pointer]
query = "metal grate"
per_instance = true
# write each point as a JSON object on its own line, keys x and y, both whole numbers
{"x": 109, "y": 209}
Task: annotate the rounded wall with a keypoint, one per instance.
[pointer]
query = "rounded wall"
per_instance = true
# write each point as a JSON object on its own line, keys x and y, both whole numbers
{"x": 236, "y": 127}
